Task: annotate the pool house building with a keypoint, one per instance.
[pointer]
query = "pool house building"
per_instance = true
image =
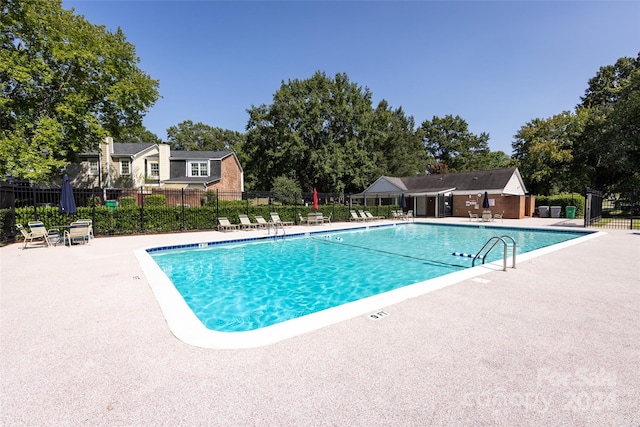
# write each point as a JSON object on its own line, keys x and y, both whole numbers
{"x": 454, "y": 194}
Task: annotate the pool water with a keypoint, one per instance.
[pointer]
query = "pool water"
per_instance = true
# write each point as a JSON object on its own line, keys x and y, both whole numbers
{"x": 243, "y": 286}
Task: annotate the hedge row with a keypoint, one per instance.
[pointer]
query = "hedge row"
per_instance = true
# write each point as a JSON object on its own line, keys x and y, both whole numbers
{"x": 131, "y": 219}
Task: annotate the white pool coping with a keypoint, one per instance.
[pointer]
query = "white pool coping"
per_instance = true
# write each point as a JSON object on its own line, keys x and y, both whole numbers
{"x": 185, "y": 325}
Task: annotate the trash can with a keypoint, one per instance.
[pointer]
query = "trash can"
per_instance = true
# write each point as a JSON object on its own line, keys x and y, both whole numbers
{"x": 570, "y": 212}
{"x": 111, "y": 204}
{"x": 543, "y": 211}
{"x": 555, "y": 211}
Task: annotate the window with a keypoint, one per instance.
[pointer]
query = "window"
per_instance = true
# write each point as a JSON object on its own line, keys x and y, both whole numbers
{"x": 93, "y": 167}
{"x": 125, "y": 167}
{"x": 154, "y": 170}
{"x": 198, "y": 169}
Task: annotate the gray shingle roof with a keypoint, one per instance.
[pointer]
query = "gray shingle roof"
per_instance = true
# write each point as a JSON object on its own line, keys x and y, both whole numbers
{"x": 130, "y": 148}
{"x": 465, "y": 181}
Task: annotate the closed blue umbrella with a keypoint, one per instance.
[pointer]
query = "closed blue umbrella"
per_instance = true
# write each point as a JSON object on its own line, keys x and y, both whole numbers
{"x": 485, "y": 201}
{"x": 67, "y": 202}
{"x": 403, "y": 202}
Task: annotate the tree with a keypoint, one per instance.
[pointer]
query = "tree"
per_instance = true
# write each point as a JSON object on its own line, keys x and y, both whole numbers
{"x": 398, "y": 148}
{"x": 139, "y": 134}
{"x": 450, "y": 147}
{"x": 65, "y": 84}
{"x": 610, "y": 145}
{"x": 543, "y": 150}
{"x": 201, "y": 137}
{"x": 317, "y": 131}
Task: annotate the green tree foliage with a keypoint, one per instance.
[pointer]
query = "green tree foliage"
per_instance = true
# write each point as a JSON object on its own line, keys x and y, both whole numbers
{"x": 317, "y": 131}
{"x": 64, "y": 85}
{"x": 201, "y": 137}
{"x": 399, "y": 150}
{"x": 543, "y": 150}
{"x": 139, "y": 134}
{"x": 610, "y": 146}
{"x": 286, "y": 190}
{"x": 597, "y": 145}
{"x": 451, "y": 147}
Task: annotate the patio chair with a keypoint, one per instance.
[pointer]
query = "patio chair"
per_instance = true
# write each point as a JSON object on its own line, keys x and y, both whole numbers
{"x": 472, "y": 216}
{"x": 275, "y": 217}
{"x": 303, "y": 220}
{"x": 78, "y": 231}
{"x": 34, "y": 234}
{"x": 355, "y": 216}
{"x": 372, "y": 217}
{"x": 245, "y": 222}
{"x": 90, "y": 222}
{"x": 225, "y": 225}
{"x": 364, "y": 216}
{"x": 262, "y": 223}
{"x": 498, "y": 216}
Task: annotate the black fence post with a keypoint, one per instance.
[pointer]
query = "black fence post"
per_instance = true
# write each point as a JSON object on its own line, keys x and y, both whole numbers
{"x": 182, "y": 210}
{"x": 141, "y": 209}
{"x": 35, "y": 204}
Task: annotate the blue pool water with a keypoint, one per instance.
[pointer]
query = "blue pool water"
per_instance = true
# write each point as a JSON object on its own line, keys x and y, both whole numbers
{"x": 242, "y": 286}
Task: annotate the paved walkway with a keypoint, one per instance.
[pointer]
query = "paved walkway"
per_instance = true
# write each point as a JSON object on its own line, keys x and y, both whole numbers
{"x": 554, "y": 342}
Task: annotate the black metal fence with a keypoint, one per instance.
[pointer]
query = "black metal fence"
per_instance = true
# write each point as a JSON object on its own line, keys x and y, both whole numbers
{"x": 115, "y": 211}
{"x": 619, "y": 210}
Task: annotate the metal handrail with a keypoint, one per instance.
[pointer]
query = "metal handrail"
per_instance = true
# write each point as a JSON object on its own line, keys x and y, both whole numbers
{"x": 495, "y": 241}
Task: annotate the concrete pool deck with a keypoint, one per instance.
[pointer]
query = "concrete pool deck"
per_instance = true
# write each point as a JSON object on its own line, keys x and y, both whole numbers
{"x": 555, "y": 341}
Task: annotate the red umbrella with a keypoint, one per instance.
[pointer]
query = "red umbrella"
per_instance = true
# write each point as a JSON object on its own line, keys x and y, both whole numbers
{"x": 315, "y": 199}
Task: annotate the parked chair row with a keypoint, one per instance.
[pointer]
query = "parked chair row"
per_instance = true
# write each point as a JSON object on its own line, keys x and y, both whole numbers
{"x": 314, "y": 218}
{"x": 364, "y": 216}
{"x": 245, "y": 222}
{"x": 402, "y": 216}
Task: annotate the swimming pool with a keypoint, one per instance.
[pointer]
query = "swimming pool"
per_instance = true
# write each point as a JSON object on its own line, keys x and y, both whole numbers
{"x": 255, "y": 287}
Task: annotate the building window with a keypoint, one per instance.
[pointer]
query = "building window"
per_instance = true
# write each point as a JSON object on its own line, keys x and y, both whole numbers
{"x": 154, "y": 170}
{"x": 125, "y": 167}
{"x": 198, "y": 169}
{"x": 93, "y": 167}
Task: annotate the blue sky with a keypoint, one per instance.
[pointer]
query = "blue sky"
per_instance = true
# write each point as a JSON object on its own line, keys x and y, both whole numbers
{"x": 496, "y": 64}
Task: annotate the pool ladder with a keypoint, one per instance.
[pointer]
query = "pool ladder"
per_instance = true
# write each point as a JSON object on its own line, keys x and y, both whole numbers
{"x": 491, "y": 244}
{"x": 275, "y": 226}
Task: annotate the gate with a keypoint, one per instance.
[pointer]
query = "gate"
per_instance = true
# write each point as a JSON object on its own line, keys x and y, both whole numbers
{"x": 612, "y": 210}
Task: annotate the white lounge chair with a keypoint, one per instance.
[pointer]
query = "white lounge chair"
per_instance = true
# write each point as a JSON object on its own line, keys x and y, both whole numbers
{"x": 372, "y": 217}
{"x": 355, "y": 216}
{"x": 472, "y": 216}
{"x": 275, "y": 217}
{"x": 35, "y": 233}
{"x": 245, "y": 222}
{"x": 262, "y": 223}
{"x": 225, "y": 225}
{"x": 78, "y": 231}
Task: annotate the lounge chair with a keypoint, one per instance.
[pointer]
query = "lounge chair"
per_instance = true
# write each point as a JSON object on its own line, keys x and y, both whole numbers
{"x": 303, "y": 220}
{"x": 364, "y": 216}
{"x": 245, "y": 222}
{"x": 35, "y": 234}
{"x": 78, "y": 231}
{"x": 355, "y": 216}
{"x": 498, "y": 216}
{"x": 225, "y": 225}
{"x": 373, "y": 217}
{"x": 472, "y": 216}
{"x": 262, "y": 223}
{"x": 275, "y": 217}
